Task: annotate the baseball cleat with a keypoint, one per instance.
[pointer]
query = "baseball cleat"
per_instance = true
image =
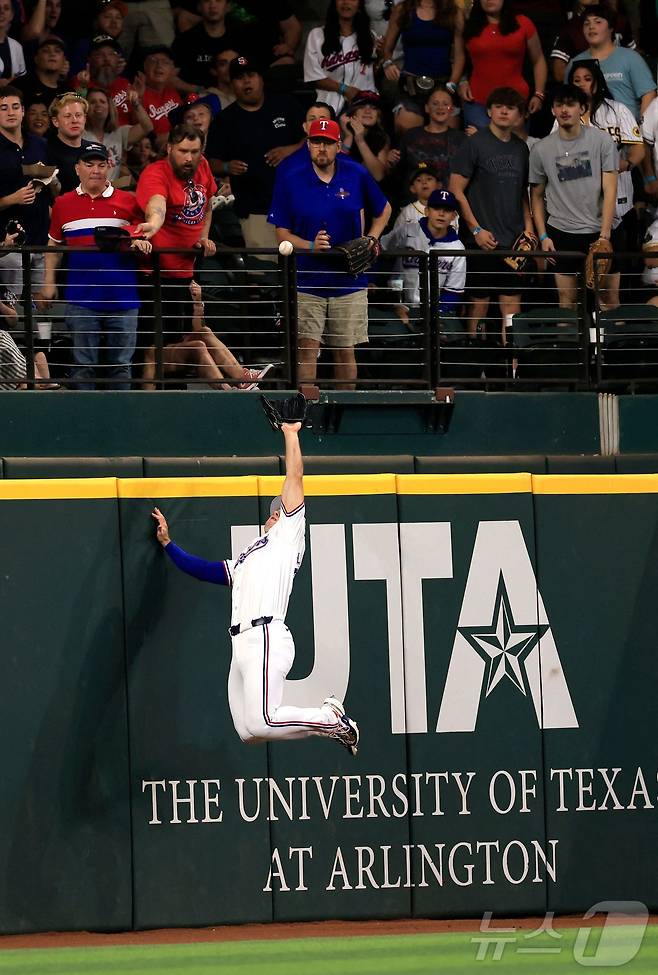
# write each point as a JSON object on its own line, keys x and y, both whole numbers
{"x": 253, "y": 376}
{"x": 335, "y": 705}
{"x": 348, "y": 735}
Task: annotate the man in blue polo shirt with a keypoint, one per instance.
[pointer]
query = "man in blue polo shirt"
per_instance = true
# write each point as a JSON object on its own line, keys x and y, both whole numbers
{"x": 324, "y": 201}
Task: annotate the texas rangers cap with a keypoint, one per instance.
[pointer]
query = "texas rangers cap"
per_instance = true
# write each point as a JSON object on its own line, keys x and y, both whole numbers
{"x": 242, "y": 65}
{"x": 275, "y": 504}
{"x": 94, "y": 150}
{"x": 324, "y": 128}
{"x": 442, "y": 200}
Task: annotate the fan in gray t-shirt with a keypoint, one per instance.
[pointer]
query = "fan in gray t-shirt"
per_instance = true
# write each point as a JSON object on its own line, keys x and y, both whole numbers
{"x": 571, "y": 170}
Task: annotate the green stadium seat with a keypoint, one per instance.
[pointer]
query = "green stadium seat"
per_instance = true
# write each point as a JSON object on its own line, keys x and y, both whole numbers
{"x": 548, "y": 345}
{"x": 629, "y": 344}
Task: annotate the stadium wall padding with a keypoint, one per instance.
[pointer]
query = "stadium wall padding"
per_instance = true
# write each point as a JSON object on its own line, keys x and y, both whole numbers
{"x": 210, "y": 424}
{"x": 492, "y": 634}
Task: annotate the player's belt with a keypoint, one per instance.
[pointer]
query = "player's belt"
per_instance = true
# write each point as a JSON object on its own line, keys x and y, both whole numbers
{"x": 241, "y": 627}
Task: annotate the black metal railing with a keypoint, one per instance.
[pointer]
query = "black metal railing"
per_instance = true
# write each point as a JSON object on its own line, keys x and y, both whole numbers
{"x": 250, "y": 314}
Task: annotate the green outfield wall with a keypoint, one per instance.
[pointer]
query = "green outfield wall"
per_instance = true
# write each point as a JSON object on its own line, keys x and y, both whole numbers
{"x": 493, "y": 635}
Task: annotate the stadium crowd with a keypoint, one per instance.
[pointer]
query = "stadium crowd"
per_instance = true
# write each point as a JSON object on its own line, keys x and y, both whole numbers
{"x": 468, "y": 127}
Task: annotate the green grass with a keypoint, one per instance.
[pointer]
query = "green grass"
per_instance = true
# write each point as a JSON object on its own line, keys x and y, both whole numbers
{"x": 420, "y": 954}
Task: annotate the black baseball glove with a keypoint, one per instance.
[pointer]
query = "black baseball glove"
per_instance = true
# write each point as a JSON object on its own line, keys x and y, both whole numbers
{"x": 290, "y": 410}
{"x": 360, "y": 254}
{"x": 523, "y": 243}
{"x": 112, "y": 238}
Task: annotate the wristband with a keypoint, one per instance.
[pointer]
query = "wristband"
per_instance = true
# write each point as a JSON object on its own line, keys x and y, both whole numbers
{"x": 540, "y": 95}
{"x": 649, "y": 179}
{"x": 342, "y": 88}
{"x": 476, "y": 230}
{"x": 226, "y": 168}
{"x": 311, "y": 246}
{"x": 387, "y": 63}
{"x": 543, "y": 237}
{"x": 451, "y": 86}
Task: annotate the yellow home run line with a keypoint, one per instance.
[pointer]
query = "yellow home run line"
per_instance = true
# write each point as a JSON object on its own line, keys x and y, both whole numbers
{"x": 324, "y": 485}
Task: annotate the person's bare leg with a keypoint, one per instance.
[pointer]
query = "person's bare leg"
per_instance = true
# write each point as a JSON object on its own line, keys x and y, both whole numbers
{"x": 194, "y": 353}
{"x": 148, "y": 369}
{"x": 345, "y": 367}
{"x": 566, "y": 289}
{"x": 221, "y": 354}
{"x": 509, "y": 305}
{"x": 477, "y": 312}
{"x": 308, "y": 359}
{"x": 610, "y": 291}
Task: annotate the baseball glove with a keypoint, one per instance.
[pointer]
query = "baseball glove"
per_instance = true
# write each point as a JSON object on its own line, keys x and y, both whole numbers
{"x": 290, "y": 410}
{"x": 600, "y": 246}
{"x": 523, "y": 243}
{"x": 360, "y": 254}
{"x": 112, "y": 238}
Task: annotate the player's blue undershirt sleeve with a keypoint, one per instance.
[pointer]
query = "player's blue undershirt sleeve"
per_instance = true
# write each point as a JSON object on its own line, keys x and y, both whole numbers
{"x": 194, "y": 566}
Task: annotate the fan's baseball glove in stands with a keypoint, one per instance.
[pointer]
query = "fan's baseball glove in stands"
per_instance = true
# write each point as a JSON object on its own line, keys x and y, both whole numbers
{"x": 291, "y": 410}
{"x": 523, "y": 243}
{"x": 360, "y": 254}
{"x": 113, "y": 238}
{"x": 600, "y": 246}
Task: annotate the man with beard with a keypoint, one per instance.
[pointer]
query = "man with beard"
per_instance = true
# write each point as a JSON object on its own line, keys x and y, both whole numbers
{"x": 175, "y": 194}
{"x": 320, "y": 203}
{"x": 252, "y": 136}
{"x": 105, "y": 60}
{"x": 68, "y": 115}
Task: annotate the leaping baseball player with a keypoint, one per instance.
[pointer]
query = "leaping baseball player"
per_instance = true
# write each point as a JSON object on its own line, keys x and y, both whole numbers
{"x": 261, "y": 579}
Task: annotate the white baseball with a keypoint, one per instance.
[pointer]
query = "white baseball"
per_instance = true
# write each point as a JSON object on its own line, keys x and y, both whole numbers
{"x": 286, "y": 248}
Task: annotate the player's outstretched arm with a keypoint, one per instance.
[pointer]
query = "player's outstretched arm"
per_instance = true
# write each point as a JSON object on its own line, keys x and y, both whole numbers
{"x": 217, "y": 572}
{"x": 292, "y": 494}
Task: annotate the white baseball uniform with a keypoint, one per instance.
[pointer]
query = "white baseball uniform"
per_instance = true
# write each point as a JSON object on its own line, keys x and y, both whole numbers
{"x": 261, "y": 579}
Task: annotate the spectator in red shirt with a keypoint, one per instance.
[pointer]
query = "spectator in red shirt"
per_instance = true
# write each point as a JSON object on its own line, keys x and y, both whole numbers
{"x": 175, "y": 194}
{"x": 497, "y": 41}
{"x": 155, "y": 87}
{"x": 104, "y": 71}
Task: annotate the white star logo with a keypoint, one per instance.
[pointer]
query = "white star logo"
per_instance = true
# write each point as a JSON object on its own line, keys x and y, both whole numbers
{"x": 503, "y": 645}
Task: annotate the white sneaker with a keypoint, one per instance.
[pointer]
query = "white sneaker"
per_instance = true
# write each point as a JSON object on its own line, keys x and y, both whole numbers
{"x": 253, "y": 376}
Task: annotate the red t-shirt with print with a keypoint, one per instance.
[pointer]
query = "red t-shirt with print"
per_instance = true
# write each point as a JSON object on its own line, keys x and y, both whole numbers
{"x": 187, "y": 207}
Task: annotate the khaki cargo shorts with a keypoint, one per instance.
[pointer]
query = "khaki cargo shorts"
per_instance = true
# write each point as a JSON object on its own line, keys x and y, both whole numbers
{"x": 337, "y": 322}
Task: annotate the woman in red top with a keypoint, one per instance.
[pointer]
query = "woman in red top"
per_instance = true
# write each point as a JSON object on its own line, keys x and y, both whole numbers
{"x": 496, "y": 41}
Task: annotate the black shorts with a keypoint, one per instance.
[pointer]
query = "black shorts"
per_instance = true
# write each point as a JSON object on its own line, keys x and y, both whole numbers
{"x": 487, "y": 275}
{"x": 564, "y": 241}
